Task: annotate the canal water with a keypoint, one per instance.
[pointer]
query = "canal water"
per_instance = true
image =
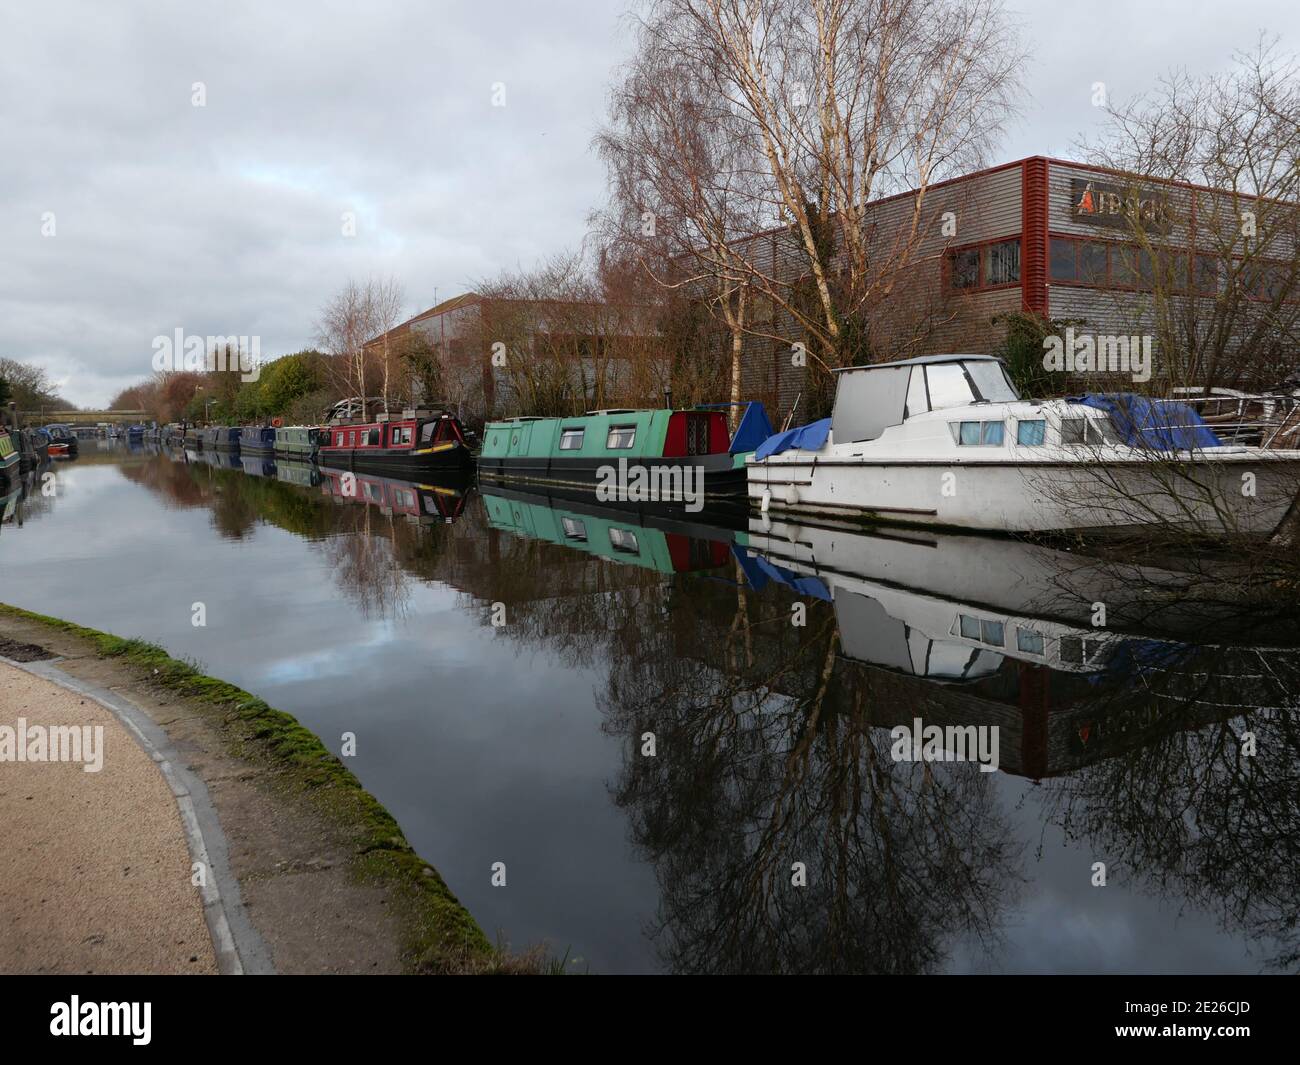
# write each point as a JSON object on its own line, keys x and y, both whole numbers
{"x": 684, "y": 740}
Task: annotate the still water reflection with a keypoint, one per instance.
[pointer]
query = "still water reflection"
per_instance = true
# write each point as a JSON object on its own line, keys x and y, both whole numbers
{"x": 522, "y": 742}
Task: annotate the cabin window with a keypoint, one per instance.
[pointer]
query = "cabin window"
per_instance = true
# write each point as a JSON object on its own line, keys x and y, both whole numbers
{"x": 979, "y": 434}
{"x": 624, "y": 540}
{"x": 571, "y": 439}
{"x": 991, "y": 632}
{"x": 991, "y": 381}
{"x": 948, "y": 386}
{"x": 1088, "y": 431}
{"x": 620, "y": 437}
{"x": 402, "y": 434}
{"x": 574, "y": 529}
{"x": 1029, "y": 641}
{"x": 970, "y": 627}
{"x": 917, "y": 401}
{"x": 1031, "y": 434}
{"x": 405, "y": 498}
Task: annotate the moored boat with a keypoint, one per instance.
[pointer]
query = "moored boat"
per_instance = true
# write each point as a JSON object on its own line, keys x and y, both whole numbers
{"x": 257, "y": 440}
{"x": 194, "y": 438}
{"x": 946, "y": 440}
{"x": 297, "y": 442}
{"x": 417, "y": 444}
{"x": 638, "y": 456}
{"x": 9, "y": 458}
{"x": 221, "y": 438}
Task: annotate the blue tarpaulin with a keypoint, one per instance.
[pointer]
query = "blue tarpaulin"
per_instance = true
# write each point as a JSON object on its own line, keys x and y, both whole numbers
{"x": 1159, "y": 424}
{"x": 805, "y": 438}
{"x": 753, "y": 429}
{"x": 759, "y": 571}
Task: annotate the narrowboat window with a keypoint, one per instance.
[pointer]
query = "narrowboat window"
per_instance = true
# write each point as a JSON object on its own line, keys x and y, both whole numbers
{"x": 574, "y": 529}
{"x": 1002, "y": 263}
{"x": 621, "y": 436}
{"x": 964, "y": 269}
{"x": 624, "y": 540}
{"x": 992, "y": 435}
{"x": 427, "y": 430}
{"x": 948, "y": 386}
{"x": 374, "y": 437}
{"x": 1061, "y": 253}
{"x": 970, "y": 627}
{"x": 571, "y": 439}
{"x": 404, "y": 498}
{"x": 1031, "y": 434}
{"x": 1029, "y": 641}
{"x": 991, "y": 632}
{"x": 917, "y": 402}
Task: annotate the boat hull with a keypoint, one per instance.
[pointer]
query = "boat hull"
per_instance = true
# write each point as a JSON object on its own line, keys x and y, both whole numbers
{"x": 1238, "y": 493}
{"x": 397, "y": 462}
{"x": 719, "y": 478}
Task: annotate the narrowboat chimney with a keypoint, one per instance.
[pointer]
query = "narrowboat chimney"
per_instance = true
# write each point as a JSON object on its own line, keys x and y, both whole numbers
{"x": 668, "y": 397}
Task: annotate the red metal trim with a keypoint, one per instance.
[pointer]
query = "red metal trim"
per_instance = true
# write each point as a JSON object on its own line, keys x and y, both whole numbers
{"x": 1033, "y": 225}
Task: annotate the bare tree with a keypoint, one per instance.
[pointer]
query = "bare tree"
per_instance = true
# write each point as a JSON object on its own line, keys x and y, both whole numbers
{"x": 356, "y": 315}
{"x": 1223, "y": 283}
{"x": 823, "y": 107}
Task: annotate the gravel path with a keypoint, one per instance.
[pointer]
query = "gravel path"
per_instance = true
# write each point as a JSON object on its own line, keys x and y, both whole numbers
{"x": 94, "y": 867}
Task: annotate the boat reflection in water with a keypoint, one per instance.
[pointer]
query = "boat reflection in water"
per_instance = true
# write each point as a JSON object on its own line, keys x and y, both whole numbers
{"x": 630, "y": 536}
{"x": 419, "y": 503}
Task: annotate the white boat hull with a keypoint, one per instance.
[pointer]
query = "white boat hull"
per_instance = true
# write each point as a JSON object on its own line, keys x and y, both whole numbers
{"x": 1240, "y": 493}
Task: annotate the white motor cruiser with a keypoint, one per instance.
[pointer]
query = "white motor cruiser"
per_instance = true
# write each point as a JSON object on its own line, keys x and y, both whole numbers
{"x": 946, "y": 440}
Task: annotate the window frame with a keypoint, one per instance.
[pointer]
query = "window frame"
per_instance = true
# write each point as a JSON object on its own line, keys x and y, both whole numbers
{"x": 983, "y": 249}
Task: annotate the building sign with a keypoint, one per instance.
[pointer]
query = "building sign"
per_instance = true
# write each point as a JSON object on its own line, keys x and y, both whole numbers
{"x": 1099, "y": 203}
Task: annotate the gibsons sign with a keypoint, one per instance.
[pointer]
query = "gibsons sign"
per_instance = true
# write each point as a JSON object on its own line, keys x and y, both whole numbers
{"x": 1099, "y": 203}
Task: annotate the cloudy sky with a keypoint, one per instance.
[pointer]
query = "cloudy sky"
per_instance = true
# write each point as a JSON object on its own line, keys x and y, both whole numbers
{"x": 227, "y": 218}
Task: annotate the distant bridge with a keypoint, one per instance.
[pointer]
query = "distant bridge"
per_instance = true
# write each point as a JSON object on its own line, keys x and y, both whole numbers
{"x": 83, "y": 417}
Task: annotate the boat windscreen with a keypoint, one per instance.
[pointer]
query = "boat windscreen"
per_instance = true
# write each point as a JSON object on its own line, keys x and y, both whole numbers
{"x": 991, "y": 381}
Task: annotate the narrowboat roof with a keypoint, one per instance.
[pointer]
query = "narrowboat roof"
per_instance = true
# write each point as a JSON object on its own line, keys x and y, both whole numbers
{"x": 920, "y": 360}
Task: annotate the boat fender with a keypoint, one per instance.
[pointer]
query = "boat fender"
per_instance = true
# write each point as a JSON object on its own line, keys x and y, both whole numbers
{"x": 766, "y": 502}
{"x": 792, "y": 495}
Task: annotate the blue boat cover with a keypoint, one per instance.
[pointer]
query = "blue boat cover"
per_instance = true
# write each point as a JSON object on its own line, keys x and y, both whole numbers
{"x": 1160, "y": 424}
{"x": 759, "y": 571}
{"x": 805, "y": 438}
{"x": 753, "y": 429}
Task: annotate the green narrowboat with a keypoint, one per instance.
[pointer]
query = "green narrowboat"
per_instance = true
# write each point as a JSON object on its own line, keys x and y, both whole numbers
{"x": 8, "y": 457}
{"x": 639, "y": 456}
{"x": 297, "y": 442}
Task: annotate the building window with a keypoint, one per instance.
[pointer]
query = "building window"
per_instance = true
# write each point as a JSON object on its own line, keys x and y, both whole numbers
{"x": 965, "y": 268}
{"x": 571, "y": 439}
{"x": 620, "y": 437}
{"x": 984, "y": 266}
{"x": 1062, "y": 264}
{"x": 1002, "y": 263}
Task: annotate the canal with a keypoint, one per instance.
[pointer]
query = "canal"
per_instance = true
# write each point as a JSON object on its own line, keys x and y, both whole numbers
{"x": 681, "y": 741}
